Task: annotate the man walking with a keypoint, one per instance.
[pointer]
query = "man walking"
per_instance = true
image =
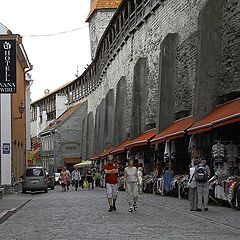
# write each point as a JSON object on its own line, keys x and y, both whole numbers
{"x": 111, "y": 171}
{"x": 202, "y": 175}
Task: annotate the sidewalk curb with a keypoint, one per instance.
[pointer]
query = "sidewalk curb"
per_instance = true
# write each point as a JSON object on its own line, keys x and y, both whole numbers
{"x": 7, "y": 214}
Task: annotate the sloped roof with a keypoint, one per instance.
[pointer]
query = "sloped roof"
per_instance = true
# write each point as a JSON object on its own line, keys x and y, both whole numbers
{"x": 102, "y": 4}
{"x": 62, "y": 118}
{"x": 53, "y": 92}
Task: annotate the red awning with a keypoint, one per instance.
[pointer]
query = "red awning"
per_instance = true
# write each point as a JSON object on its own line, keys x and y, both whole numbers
{"x": 175, "y": 130}
{"x": 120, "y": 148}
{"x": 142, "y": 140}
{"x": 72, "y": 160}
{"x": 222, "y": 115}
{"x": 105, "y": 152}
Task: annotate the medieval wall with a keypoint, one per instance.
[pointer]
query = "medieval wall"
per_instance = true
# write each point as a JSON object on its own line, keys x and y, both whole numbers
{"x": 173, "y": 17}
{"x": 182, "y": 60}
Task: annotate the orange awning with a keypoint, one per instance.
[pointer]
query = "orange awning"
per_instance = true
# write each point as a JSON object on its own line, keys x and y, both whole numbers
{"x": 120, "y": 148}
{"x": 175, "y": 130}
{"x": 72, "y": 160}
{"x": 106, "y": 152}
{"x": 142, "y": 140}
{"x": 222, "y": 115}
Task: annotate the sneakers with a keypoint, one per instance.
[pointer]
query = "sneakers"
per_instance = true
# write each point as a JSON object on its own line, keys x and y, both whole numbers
{"x": 135, "y": 207}
{"x": 206, "y": 209}
{"x": 114, "y": 208}
{"x": 110, "y": 209}
{"x": 130, "y": 209}
{"x": 198, "y": 209}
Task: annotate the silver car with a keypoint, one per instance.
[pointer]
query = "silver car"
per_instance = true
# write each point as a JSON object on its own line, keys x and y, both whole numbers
{"x": 34, "y": 179}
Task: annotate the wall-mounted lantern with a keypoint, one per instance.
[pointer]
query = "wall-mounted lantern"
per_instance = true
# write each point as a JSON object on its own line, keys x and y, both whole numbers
{"x": 21, "y": 109}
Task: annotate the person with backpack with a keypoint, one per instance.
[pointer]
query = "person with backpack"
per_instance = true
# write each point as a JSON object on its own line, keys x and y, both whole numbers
{"x": 202, "y": 174}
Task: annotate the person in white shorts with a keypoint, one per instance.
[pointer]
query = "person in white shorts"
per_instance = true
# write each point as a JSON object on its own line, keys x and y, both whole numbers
{"x": 111, "y": 171}
{"x": 131, "y": 182}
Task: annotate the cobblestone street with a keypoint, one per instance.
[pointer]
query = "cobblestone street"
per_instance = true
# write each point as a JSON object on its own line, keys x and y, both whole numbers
{"x": 84, "y": 215}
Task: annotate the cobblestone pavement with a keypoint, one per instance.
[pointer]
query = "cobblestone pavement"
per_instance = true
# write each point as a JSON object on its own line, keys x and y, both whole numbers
{"x": 84, "y": 215}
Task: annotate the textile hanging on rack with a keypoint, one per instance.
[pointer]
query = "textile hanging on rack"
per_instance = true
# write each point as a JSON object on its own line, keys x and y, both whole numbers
{"x": 218, "y": 153}
{"x": 173, "y": 149}
{"x": 167, "y": 151}
{"x": 232, "y": 154}
{"x": 192, "y": 144}
{"x": 167, "y": 178}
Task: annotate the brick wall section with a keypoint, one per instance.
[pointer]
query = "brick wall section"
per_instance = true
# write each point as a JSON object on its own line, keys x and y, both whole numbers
{"x": 186, "y": 60}
{"x": 229, "y": 75}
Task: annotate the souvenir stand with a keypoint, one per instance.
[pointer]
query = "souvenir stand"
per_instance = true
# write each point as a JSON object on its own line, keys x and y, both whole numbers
{"x": 175, "y": 162}
{"x": 225, "y": 184}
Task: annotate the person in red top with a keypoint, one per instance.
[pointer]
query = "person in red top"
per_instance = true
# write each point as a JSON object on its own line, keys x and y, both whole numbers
{"x": 111, "y": 179}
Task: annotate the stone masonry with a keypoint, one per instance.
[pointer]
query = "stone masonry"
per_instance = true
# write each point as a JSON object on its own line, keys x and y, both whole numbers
{"x": 183, "y": 59}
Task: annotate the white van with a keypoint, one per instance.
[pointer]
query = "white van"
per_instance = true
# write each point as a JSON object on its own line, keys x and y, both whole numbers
{"x": 34, "y": 179}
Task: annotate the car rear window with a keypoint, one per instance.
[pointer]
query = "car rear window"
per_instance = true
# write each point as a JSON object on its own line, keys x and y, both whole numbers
{"x": 34, "y": 172}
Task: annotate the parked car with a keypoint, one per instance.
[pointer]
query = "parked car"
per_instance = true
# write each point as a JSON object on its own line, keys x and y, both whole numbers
{"x": 34, "y": 179}
{"x": 50, "y": 181}
{"x": 56, "y": 178}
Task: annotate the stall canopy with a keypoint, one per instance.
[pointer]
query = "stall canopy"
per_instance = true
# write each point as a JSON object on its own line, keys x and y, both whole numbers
{"x": 120, "y": 148}
{"x": 142, "y": 139}
{"x": 106, "y": 152}
{"x": 175, "y": 130}
{"x": 222, "y": 115}
{"x": 83, "y": 164}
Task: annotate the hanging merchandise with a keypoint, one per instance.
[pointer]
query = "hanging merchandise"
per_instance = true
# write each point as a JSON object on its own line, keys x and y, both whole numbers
{"x": 192, "y": 144}
{"x": 231, "y": 156}
{"x": 173, "y": 149}
{"x": 218, "y": 154}
{"x": 167, "y": 152}
{"x": 167, "y": 178}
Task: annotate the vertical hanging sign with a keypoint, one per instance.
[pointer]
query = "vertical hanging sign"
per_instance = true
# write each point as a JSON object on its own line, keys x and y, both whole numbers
{"x": 7, "y": 66}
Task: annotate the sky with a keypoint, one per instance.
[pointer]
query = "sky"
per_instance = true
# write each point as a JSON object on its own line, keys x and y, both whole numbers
{"x": 57, "y": 58}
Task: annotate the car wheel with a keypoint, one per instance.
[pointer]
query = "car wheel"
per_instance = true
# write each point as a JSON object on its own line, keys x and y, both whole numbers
{"x": 46, "y": 190}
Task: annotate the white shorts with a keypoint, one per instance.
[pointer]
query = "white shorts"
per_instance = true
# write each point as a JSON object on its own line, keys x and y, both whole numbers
{"x": 111, "y": 190}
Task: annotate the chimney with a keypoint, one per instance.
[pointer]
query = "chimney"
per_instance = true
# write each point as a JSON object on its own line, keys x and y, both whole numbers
{"x": 46, "y": 92}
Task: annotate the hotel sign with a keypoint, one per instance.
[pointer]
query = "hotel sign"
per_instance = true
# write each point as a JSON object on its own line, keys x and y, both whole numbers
{"x": 7, "y": 66}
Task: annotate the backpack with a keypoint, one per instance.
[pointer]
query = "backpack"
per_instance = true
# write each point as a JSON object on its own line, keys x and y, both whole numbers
{"x": 201, "y": 174}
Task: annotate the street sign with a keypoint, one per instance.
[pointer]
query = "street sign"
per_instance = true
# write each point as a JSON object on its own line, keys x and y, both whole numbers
{"x": 6, "y": 148}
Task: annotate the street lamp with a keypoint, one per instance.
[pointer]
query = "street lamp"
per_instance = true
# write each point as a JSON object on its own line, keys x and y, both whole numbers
{"x": 21, "y": 109}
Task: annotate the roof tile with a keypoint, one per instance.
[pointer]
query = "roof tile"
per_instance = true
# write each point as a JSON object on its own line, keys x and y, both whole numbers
{"x": 103, "y": 4}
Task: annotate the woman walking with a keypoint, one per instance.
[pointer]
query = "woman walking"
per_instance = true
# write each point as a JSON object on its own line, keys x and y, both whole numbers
{"x": 192, "y": 194}
{"x": 63, "y": 177}
{"x": 131, "y": 181}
